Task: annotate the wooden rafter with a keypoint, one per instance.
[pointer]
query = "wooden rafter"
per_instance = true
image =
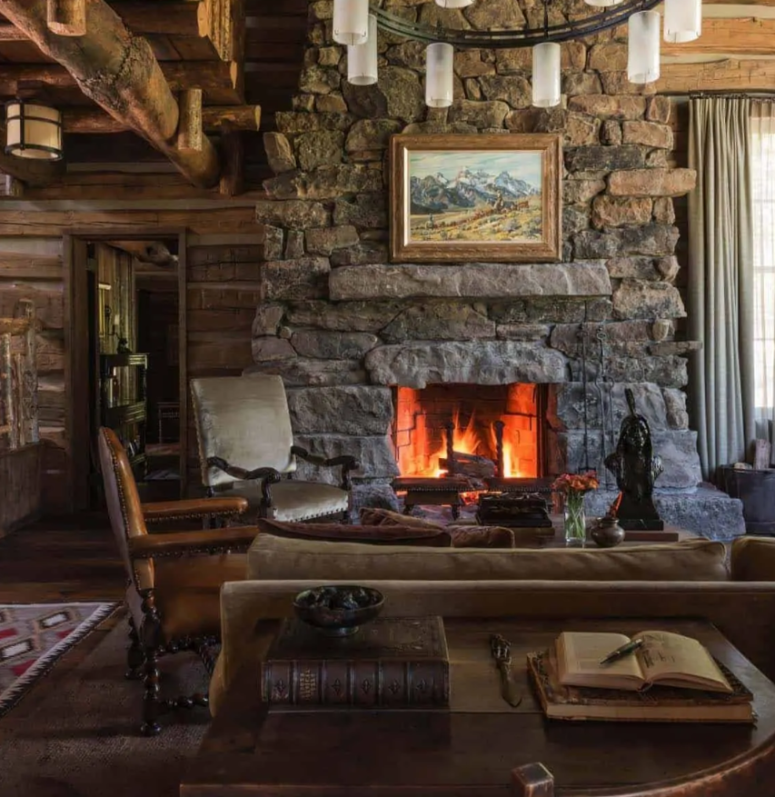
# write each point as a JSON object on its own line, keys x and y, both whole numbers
{"x": 120, "y": 73}
{"x": 67, "y": 17}
{"x": 214, "y": 119}
{"x": 218, "y": 80}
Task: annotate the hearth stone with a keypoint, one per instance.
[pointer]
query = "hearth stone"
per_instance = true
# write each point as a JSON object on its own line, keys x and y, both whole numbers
{"x": 351, "y": 410}
{"x": 489, "y": 362}
{"x": 374, "y": 455}
{"x": 474, "y": 280}
{"x": 706, "y": 511}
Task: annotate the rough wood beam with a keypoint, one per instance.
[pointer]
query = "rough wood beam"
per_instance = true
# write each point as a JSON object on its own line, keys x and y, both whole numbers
{"x": 232, "y": 162}
{"x": 729, "y": 37}
{"x": 67, "y": 17}
{"x": 190, "y": 133}
{"x": 728, "y": 75}
{"x": 186, "y": 20}
{"x": 214, "y": 118}
{"x": 179, "y": 19}
{"x": 219, "y": 80}
{"x": 155, "y": 253}
{"x": 119, "y": 72}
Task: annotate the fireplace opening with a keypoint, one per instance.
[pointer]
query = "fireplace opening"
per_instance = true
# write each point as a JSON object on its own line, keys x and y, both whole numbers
{"x": 496, "y": 430}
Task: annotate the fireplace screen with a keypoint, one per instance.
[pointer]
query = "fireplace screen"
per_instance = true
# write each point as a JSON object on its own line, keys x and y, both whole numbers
{"x": 496, "y": 430}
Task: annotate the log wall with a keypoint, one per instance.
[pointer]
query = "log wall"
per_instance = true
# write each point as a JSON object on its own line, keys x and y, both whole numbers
{"x": 225, "y": 248}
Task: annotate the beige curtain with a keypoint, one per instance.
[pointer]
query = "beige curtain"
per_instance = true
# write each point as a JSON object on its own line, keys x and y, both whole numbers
{"x": 763, "y": 184}
{"x": 720, "y": 290}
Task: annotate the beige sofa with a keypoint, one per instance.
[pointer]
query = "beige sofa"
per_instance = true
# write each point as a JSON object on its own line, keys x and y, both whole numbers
{"x": 690, "y": 579}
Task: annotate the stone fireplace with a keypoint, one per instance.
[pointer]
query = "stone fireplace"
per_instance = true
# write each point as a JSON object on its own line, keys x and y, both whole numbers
{"x": 346, "y": 329}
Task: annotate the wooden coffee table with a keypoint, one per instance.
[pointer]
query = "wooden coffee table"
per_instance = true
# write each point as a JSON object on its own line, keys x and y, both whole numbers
{"x": 483, "y": 747}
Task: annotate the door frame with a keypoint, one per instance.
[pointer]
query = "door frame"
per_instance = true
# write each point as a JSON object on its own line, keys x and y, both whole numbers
{"x": 79, "y": 408}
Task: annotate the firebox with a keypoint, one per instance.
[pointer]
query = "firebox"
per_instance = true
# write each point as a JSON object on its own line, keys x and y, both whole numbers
{"x": 495, "y": 429}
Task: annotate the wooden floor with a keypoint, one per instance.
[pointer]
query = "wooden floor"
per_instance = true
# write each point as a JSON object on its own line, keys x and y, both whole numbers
{"x": 61, "y": 559}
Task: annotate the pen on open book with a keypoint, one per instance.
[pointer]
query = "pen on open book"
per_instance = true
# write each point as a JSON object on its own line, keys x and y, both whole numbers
{"x": 624, "y": 650}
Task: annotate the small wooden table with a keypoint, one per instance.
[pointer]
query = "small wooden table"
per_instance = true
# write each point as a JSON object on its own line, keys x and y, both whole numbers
{"x": 481, "y": 747}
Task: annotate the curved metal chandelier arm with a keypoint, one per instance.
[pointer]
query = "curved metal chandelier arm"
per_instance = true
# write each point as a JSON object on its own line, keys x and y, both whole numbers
{"x": 525, "y": 37}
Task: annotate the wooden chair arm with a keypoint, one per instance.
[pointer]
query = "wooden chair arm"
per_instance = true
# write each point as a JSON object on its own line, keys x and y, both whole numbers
{"x": 268, "y": 476}
{"x": 159, "y": 511}
{"x": 345, "y": 462}
{"x": 181, "y": 543}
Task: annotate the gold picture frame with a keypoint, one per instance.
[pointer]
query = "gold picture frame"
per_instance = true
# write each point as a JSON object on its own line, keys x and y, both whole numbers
{"x": 486, "y": 198}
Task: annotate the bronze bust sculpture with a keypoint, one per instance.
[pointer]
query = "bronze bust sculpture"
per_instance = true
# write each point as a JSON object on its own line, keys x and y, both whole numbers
{"x": 636, "y": 469}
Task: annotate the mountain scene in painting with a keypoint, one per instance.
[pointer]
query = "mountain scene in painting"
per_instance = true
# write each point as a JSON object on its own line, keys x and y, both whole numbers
{"x": 475, "y": 196}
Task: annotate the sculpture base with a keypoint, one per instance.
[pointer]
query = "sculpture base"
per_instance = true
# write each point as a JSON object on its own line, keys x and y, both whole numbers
{"x": 641, "y": 524}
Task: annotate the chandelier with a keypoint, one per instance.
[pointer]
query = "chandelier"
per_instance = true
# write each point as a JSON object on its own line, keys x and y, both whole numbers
{"x": 355, "y": 24}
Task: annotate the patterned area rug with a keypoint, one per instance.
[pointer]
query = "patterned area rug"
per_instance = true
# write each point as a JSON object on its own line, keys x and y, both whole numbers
{"x": 34, "y": 636}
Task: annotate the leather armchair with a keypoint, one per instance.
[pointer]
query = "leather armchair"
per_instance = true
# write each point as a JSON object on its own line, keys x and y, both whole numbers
{"x": 173, "y": 579}
{"x": 246, "y": 448}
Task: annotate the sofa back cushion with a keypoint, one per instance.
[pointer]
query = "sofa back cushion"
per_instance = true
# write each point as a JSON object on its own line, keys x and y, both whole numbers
{"x": 277, "y": 558}
{"x": 753, "y": 559}
{"x": 430, "y": 536}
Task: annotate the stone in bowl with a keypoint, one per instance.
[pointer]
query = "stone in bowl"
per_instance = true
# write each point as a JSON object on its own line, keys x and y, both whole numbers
{"x": 338, "y": 610}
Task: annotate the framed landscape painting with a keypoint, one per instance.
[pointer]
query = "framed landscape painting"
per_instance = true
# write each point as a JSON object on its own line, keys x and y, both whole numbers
{"x": 458, "y": 198}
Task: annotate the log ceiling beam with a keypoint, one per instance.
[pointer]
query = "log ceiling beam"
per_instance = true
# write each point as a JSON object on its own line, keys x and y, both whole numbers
{"x": 214, "y": 119}
{"x": 183, "y": 20}
{"x": 119, "y": 72}
{"x": 219, "y": 80}
{"x": 749, "y": 37}
{"x": 727, "y": 75}
{"x": 67, "y": 17}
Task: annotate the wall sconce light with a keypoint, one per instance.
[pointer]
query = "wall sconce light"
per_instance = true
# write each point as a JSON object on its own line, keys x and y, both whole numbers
{"x": 33, "y": 130}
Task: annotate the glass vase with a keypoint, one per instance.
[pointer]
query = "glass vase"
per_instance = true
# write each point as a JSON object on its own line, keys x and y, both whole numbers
{"x": 575, "y": 521}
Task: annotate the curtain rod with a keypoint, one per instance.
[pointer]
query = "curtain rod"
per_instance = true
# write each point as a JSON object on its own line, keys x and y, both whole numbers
{"x": 734, "y": 95}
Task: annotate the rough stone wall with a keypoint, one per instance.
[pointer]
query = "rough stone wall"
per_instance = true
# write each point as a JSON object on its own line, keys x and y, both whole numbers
{"x": 341, "y": 324}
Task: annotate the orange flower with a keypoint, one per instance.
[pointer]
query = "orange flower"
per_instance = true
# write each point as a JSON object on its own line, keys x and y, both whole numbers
{"x": 576, "y": 482}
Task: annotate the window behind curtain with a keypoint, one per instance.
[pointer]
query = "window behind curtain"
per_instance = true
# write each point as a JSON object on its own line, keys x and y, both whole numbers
{"x": 763, "y": 178}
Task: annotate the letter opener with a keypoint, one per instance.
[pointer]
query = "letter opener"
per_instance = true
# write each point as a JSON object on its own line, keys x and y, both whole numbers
{"x": 500, "y": 649}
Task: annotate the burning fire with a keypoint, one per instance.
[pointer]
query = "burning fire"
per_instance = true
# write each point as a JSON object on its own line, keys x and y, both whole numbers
{"x": 464, "y": 441}
{"x": 468, "y": 441}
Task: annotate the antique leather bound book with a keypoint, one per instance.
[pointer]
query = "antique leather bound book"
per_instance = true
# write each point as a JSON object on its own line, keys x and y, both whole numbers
{"x": 394, "y": 662}
{"x": 656, "y": 704}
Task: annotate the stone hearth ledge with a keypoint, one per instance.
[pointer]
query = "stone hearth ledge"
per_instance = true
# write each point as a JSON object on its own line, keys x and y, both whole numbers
{"x": 477, "y": 362}
{"x": 470, "y": 281}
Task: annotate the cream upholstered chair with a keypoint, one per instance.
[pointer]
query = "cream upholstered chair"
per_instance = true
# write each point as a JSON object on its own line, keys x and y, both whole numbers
{"x": 246, "y": 449}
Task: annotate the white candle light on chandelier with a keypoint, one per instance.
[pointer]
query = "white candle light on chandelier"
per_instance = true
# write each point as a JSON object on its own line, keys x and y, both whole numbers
{"x": 454, "y": 3}
{"x": 602, "y": 3}
{"x": 351, "y": 21}
{"x": 362, "y": 58}
{"x": 439, "y": 61}
{"x": 546, "y": 75}
{"x": 683, "y": 20}
{"x": 643, "y": 57}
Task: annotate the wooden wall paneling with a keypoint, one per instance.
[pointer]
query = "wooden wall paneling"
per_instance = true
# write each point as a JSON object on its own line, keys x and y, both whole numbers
{"x": 76, "y": 326}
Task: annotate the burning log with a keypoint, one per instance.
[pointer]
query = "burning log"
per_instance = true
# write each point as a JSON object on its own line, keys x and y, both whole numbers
{"x": 469, "y": 465}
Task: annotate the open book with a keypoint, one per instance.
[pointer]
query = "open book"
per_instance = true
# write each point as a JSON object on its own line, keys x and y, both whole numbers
{"x": 664, "y": 658}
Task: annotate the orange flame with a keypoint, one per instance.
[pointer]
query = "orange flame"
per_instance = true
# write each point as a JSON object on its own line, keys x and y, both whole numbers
{"x": 464, "y": 441}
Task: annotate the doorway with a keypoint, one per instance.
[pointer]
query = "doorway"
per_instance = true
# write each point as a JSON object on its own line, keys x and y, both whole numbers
{"x": 126, "y": 361}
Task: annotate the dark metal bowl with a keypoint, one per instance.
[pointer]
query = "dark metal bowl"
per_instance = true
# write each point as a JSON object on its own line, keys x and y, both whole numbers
{"x": 338, "y": 610}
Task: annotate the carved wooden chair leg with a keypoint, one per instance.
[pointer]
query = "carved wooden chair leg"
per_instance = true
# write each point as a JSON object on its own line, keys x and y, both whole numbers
{"x": 152, "y": 706}
{"x": 135, "y": 656}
